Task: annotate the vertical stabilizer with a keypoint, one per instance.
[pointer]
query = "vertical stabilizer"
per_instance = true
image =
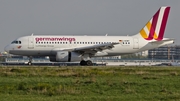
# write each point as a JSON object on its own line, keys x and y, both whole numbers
{"x": 155, "y": 27}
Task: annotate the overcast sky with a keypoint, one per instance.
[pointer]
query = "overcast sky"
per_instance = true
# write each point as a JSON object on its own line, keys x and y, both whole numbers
{"x": 82, "y": 17}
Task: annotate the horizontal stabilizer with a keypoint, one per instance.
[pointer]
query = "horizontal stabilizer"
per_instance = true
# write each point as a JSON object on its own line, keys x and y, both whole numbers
{"x": 162, "y": 41}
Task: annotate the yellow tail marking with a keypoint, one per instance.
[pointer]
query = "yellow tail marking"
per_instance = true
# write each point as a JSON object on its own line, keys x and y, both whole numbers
{"x": 143, "y": 33}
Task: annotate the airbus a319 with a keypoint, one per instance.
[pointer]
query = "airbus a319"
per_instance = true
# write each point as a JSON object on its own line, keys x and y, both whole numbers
{"x": 82, "y": 48}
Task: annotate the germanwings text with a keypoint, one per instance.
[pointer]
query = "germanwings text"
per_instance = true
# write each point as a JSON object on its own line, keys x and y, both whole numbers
{"x": 54, "y": 39}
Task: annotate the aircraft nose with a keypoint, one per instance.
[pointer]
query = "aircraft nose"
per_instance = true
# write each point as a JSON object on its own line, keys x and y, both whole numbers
{"x": 7, "y": 48}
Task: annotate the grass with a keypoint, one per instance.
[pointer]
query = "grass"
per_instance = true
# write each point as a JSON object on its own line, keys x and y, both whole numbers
{"x": 89, "y": 83}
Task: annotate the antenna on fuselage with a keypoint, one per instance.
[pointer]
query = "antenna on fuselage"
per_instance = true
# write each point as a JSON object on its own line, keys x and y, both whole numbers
{"x": 106, "y": 34}
{"x": 32, "y": 34}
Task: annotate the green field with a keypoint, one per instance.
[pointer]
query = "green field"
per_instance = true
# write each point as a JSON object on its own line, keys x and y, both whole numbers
{"x": 89, "y": 83}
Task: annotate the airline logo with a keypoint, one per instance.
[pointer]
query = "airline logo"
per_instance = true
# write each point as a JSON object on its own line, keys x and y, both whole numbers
{"x": 155, "y": 28}
{"x": 54, "y": 39}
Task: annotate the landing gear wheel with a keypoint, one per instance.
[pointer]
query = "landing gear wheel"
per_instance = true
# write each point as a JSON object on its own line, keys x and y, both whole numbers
{"x": 83, "y": 63}
{"x": 89, "y": 63}
{"x": 86, "y": 63}
{"x": 29, "y": 63}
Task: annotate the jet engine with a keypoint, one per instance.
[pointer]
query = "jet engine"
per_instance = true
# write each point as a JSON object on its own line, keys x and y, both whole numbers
{"x": 65, "y": 56}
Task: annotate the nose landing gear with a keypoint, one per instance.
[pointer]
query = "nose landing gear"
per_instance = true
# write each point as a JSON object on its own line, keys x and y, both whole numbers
{"x": 30, "y": 60}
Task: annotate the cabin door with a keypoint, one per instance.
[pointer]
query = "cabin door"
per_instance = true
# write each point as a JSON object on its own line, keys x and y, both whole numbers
{"x": 135, "y": 43}
{"x": 31, "y": 43}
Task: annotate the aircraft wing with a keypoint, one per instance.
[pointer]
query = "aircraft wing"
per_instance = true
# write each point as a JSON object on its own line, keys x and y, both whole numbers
{"x": 94, "y": 48}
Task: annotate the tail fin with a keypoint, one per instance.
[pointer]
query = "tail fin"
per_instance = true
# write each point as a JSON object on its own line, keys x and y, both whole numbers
{"x": 154, "y": 29}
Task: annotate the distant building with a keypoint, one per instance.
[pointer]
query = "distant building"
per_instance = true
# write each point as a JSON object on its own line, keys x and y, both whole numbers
{"x": 165, "y": 52}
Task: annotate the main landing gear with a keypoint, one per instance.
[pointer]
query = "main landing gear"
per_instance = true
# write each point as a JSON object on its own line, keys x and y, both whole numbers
{"x": 86, "y": 63}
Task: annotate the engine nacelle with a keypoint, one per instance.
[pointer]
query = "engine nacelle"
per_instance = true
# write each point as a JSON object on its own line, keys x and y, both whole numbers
{"x": 65, "y": 56}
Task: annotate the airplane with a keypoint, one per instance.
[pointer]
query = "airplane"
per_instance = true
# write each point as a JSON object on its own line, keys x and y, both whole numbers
{"x": 81, "y": 48}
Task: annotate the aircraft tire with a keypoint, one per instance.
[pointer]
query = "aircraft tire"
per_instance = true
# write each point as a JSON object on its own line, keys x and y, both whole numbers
{"x": 83, "y": 63}
{"x": 29, "y": 63}
{"x": 89, "y": 63}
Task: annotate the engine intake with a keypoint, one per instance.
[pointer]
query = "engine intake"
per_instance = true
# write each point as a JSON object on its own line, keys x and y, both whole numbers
{"x": 65, "y": 56}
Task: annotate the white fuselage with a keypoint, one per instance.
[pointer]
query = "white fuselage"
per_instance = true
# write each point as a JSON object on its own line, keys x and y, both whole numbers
{"x": 45, "y": 45}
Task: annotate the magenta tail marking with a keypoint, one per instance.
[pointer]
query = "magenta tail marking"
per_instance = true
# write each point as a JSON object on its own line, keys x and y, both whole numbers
{"x": 163, "y": 24}
{"x": 153, "y": 26}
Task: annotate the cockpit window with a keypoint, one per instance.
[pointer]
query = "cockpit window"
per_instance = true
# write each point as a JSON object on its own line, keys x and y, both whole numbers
{"x": 16, "y": 42}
